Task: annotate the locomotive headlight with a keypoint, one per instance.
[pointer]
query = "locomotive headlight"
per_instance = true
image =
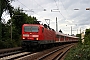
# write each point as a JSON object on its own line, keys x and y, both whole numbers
{"x": 26, "y": 35}
{"x": 36, "y": 38}
{"x": 23, "y": 38}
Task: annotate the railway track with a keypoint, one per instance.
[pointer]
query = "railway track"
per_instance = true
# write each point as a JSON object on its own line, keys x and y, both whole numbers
{"x": 15, "y": 56}
{"x": 55, "y": 53}
{"x": 12, "y": 53}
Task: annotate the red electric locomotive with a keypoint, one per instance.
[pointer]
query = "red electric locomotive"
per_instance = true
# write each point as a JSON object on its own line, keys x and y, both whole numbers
{"x": 37, "y": 34}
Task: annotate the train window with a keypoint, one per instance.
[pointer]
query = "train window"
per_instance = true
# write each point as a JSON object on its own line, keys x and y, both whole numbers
{"x": 31, "y": 29}
{"x": 57, "y": 36}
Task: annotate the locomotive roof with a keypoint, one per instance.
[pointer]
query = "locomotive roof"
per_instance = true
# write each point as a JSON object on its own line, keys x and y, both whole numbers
{"x": 39, "y": 25}
{"x": 32, "y": 25}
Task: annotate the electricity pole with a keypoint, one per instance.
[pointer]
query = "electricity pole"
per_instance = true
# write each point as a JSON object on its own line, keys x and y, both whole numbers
{"x": 56, "y": 25}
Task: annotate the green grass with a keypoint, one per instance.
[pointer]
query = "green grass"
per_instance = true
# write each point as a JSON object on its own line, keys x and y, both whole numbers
{"x": 79, "y": 52}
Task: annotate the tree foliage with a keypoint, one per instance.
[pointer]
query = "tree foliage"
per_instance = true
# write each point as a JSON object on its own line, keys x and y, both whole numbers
{"x": 18, "y": 19}
{"x": 5, "y": 5}
{"x": 87, "y": 36}
{"x": 79, "y": 35}
{"x": 79, "y": 52}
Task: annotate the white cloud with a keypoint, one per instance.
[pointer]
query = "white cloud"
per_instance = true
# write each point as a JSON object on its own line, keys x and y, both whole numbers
{"x": 67, "y": 15}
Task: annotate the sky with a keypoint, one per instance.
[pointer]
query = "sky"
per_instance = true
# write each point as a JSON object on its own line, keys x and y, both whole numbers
{"x": 64, "y": 10}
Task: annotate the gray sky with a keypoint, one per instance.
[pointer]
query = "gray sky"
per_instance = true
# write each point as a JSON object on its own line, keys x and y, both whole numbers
{"x": 62, "y": 9}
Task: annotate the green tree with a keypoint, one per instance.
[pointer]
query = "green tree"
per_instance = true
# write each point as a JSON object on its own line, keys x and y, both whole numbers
{"x": 31, "y": 20}
{"x": 18, "y": 19}
{"x": 87, "y": 36}
{"x": 4, "y": 5}
{"x": 6, "y": 41}
{"x": 79, "y": 35}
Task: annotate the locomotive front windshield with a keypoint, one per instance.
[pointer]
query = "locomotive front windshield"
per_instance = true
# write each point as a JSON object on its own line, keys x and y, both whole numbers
{"x": 31, "y": 29}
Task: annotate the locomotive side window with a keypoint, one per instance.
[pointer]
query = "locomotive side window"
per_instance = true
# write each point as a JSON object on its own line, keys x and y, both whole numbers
{"x": 42, "y": 29}
{"x": 31, "y": 29}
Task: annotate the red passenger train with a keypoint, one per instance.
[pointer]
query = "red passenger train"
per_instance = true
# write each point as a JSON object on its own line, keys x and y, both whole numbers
{"x": 37, "y": 34}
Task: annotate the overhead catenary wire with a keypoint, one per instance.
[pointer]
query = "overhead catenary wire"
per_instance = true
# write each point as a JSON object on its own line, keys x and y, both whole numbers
{"x": 31, "y": 9}
{"x": 64, "y": 7}
{"x": 39, "y": 4}
{"x": 58, "y": 8}
{"x": 25, "y": 6}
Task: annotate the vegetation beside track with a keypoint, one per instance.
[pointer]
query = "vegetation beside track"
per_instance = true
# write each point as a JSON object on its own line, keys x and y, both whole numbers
{"x": 81, "y": 51}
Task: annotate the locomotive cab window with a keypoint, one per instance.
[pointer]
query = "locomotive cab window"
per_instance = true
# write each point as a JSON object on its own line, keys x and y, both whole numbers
{"x": 31, "y": 29}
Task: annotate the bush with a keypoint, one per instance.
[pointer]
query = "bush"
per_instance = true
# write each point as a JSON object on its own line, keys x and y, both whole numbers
{"x": 80, "y": 52}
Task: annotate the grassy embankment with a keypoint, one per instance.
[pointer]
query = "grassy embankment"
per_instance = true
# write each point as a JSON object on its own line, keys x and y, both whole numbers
{"x": 79, "y": 52}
